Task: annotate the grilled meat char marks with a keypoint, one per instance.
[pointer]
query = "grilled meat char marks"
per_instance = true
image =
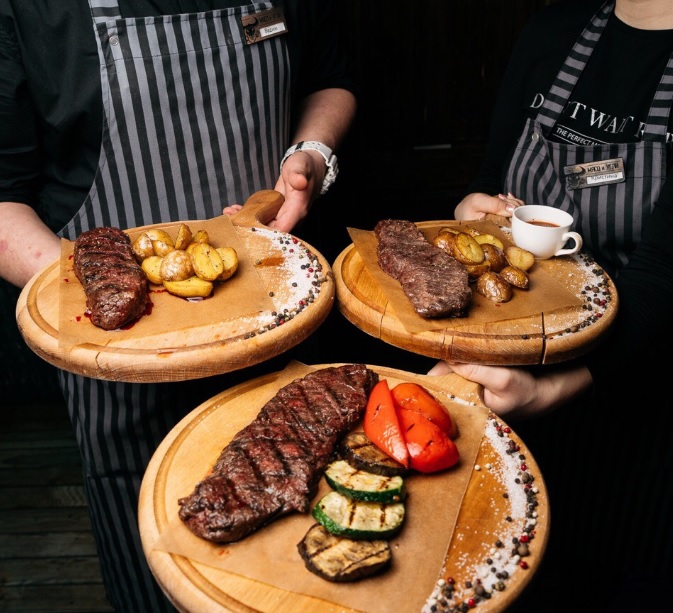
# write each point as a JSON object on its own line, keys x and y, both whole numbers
{"x": 435, "y": 282}
{"x": 114, "y": 283}
{"x": 272, "y": 466}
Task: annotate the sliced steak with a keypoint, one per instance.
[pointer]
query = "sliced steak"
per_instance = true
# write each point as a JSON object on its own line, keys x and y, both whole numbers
{"x": 114, "y": 283}
{"x": 436, "y": 283}
{"x": 272, "y": 466}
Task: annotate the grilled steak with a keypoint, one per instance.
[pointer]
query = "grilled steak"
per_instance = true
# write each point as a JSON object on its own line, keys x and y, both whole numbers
{"x": 114, "y": 283}
{"x": 272, "y": 466}
{"x": 435, "y": 282}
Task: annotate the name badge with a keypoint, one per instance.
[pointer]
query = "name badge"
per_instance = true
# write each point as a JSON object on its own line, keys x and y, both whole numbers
{"x": 263, "y": 25}
{"x": 581, "y": 176}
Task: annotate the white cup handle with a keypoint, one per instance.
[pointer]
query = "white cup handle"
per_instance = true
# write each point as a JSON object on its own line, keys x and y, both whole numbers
{"x": 578, "y": 244}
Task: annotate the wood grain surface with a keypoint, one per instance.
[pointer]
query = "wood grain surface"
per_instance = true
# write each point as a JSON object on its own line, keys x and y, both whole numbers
{"x": 553, "y": 335}
{"x": 490, "y": 512}
{"x": 184, "y": 351}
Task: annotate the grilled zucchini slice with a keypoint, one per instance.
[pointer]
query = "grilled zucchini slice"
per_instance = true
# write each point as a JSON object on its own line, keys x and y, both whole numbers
{"x": 359, "y": 451}
{"x": 355, "y": 519}
{"x": 340, "y": 559}
{"x": 361, "y": 485}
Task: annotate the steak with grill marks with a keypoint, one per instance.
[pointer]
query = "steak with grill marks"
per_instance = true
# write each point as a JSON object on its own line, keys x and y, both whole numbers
{"x": 114, "y": 283}
{"x": 436, "y": 283}
{"x": 272, "y": 466}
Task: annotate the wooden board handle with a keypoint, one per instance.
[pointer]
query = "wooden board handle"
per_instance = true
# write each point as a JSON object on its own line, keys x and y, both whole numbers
{"x": 260, "y": 208}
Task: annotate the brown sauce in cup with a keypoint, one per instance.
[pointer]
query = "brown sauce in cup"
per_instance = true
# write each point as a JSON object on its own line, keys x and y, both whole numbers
{"x": 544, "y": 224}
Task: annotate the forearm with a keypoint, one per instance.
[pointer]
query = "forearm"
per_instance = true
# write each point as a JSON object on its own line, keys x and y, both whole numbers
{"x": 556, "y": 388}
{"x": 325, "y": 116}
{"x": 27, "y": 245}
{"x": 519, "y": 392}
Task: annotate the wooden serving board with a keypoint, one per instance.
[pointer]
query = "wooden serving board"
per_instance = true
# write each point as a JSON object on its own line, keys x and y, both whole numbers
{"x": 554, "y": 334}
{"x": 491, "y": 510}
{"x": 177, "y": 345}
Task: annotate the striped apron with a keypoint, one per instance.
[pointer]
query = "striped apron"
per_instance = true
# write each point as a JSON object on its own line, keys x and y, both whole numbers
{"x": 194, "y": 119}
{"x": 610, "y": 217}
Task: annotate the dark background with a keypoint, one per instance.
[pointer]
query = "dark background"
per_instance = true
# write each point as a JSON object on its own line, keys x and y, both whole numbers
{"x": 428, "y": 73}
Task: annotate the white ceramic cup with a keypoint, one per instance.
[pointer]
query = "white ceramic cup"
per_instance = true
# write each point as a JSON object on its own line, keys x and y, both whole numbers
{"x": 544, "y": 231}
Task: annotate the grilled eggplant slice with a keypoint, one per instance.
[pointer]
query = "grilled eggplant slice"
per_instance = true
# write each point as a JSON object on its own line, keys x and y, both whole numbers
{"x": 359, "y": 520}
{"x": 340, "y": 559}
{"x": 359, "y": 451}
{"x": 362, "y": 485}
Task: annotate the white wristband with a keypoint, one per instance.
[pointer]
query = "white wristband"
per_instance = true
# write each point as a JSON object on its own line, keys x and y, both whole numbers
{"x": 326, "y": 152}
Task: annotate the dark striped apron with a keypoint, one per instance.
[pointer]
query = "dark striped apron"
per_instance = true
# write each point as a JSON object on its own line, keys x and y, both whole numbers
{"x": 610, "y": 217}
{"x": 194, "y": 119}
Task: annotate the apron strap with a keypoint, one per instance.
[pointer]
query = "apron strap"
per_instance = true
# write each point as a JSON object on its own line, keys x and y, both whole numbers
{"x": 657, "y": 121}
{"x": 104, "y": 10}
{"x": 565, "y": 81}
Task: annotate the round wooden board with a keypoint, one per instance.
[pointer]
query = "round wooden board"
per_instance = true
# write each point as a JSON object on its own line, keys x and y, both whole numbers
{"x": 185, "y": 351}
{"x": 486, "y": 514}
{"x": 552, "y": 336}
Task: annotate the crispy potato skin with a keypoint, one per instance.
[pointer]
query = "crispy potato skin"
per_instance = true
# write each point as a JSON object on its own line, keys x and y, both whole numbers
{"x": 495, "y": 256}
{"x": 445, "y": 241}
{"x": 515, "y": 276}
{"x": 494, "y": 287}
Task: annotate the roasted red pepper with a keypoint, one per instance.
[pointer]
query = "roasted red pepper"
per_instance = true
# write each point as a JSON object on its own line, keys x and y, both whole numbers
{"x": 430, "y": 448}
{"x": 415, "y": 397}
{"x": 381, "y": 424}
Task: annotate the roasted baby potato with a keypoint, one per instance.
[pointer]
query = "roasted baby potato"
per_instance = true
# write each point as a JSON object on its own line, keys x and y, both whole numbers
{"x": 207, "y": 262}
{"x": 489, "y": 239}
{"x": 495, "y": 256}
{"x": 152, "y": 268}
{"x": 184, "y": 237}
{"x": 229, "y": 261}
{"x": 162, "y": 243}
{"x": 515, "y": 276}
{"x": 445, "y": 240}
{"x": 467, "y": 250}
{"x": 142, "y": 247}
{"x": 201, "y": 236}
{"x": 176, "y": 266}
{"x": 494, "y": 287}
{"x": 521, "y": 258}
{"x": 194, "y": 287}
{"x": 476, "y": 270}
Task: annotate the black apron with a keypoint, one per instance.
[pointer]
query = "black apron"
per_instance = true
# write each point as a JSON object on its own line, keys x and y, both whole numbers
{"x": 609, "y": 216}
{"x": 194, "y": 119}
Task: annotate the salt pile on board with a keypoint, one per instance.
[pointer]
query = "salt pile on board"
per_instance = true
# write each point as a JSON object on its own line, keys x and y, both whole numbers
{"x": 509, "y": 548}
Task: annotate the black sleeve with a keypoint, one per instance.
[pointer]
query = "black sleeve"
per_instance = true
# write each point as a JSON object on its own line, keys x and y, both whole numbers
{"x": 320, "y": 53}
{"x": 19, "y": 147}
